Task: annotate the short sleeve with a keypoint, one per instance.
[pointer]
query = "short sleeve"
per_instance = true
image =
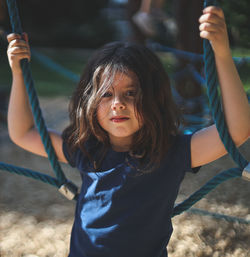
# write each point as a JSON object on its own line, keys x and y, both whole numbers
{"x": 196, "y": 169}
{"x": 183, "y": 147}
{"x": 71, "y": 158}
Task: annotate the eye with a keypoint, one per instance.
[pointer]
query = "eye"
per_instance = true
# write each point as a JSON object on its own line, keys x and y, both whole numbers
{"x": 107, "y": 94}
{"x": 131, "y": 93}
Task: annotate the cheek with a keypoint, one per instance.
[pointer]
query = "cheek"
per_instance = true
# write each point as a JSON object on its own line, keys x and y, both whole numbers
{"x": 102, "y": 111}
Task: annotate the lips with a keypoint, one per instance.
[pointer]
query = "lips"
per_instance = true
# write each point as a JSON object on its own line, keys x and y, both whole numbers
{"x": 119, "y": 119}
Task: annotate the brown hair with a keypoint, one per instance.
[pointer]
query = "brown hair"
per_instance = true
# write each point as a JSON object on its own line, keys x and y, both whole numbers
{"x": 154, "y": 103}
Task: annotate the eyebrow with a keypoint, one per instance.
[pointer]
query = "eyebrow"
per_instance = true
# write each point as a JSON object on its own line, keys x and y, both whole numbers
{"x": 131, "y": 86}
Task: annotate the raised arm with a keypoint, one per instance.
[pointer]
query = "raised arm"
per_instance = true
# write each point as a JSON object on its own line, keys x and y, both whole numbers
{"x": 20, "y": 119}
{"x": 206, "y": 145}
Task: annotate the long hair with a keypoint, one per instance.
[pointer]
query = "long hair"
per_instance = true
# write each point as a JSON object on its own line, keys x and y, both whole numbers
{"x": 153, "y": 104}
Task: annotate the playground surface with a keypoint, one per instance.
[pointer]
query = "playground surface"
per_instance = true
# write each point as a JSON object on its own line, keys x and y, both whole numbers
{"x": 36, "y": 220}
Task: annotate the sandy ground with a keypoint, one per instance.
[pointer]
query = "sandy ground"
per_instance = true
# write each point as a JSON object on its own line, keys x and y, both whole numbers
{"x": 35, "y": 220}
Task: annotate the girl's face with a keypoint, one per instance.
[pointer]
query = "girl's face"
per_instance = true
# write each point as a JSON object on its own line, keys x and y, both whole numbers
{"x": 116, "y": 112}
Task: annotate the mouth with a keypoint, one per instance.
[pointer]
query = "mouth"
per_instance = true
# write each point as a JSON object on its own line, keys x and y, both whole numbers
{"x": 119, "y": 119}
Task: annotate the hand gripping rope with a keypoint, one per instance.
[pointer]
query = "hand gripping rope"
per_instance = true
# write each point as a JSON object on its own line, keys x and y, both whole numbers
{"x": 70, "y": 190}
{"x": 66, "y": 187}
{"x": 214, "y": 100}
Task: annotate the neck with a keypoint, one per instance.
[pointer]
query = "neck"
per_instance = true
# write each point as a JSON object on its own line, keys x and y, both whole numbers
{"x": 120, "y": 144}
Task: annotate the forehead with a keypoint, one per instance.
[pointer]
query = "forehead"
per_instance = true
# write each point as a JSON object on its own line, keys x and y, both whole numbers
{"x": 118, "y": 79}
{"x": 124, "y": 80}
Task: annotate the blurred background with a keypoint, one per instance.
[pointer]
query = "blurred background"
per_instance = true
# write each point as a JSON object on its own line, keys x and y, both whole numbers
{"x": 68, "y": 32}
{"x": 90, "y": 24}
{"x": 35, "y": 220}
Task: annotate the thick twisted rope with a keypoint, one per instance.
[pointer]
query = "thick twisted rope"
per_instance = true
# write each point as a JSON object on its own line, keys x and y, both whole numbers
{"x": 211, "y": 77}
{"x": 215, "y": 103}
{"x": 66, "y": 187}
{"x": 204, "y": 190}
{"x": 50, "y": 64}
{"x": 219, "y": 216}
{"x": 190, "y": 56}
{"x": 212, "y": 91}
{"x": 39, "y": 121}
{"x": 30, "y": 173}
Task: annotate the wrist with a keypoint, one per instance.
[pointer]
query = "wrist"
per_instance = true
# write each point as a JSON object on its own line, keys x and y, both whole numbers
{"x": 17, "y": 77}
{"x": 16, "y": 72}
{"x": 223, "y": 55}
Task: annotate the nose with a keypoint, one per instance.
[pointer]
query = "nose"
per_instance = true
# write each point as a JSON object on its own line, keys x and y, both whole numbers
{"x": 118, "y": 104}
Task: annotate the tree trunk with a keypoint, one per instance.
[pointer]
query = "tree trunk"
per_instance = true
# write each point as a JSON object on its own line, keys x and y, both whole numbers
{"x": 187, "y": 13}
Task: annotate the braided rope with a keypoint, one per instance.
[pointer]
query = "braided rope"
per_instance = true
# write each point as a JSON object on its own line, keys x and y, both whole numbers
{"x": 212, "y": 84}
{"x": 219, "y": 216}
{"x": 204, "y": 190}
{"x": 213, "y": 98}
{"x": 215, "y": 103}
{"x": 190, "y": 56}
{"x": 30, "y": 173}
{"x": 45, "y": 60}
{"x": 39, "y": 121}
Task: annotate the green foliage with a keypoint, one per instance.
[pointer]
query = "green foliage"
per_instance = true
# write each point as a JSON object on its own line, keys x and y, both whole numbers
{"x": 238, "y": 21}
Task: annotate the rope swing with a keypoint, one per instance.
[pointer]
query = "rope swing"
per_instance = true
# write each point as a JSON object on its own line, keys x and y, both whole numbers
{"x": 67, "y": 188}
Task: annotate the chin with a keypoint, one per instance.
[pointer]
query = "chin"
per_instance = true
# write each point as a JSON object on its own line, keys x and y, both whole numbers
{"x": 122, "y": 133}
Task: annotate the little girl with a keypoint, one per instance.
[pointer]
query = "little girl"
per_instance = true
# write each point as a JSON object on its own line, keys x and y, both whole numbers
{"x": 123, "y": 137}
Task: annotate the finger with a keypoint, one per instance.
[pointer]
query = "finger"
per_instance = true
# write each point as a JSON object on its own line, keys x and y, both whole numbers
{"x": 16, "y": 50}
{"x": 215, "y": 10}
{"x": 211, "y": 18}
{"x": 20, "y": 56}
{"x": 25, "y": 36}
{"x": 18, "y": 42}
{"x": 210, "y": 27}
{"x": 13, "y": 36}
{"x": 207, "y": 35}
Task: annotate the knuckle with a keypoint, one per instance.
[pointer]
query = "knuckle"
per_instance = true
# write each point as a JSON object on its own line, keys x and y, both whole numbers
{"x": 12, "y": 57}
{"x": 209, "y": 16}
{"x": 206, "y": 25}
{"x": 12, "y": 37}
{"x": 14, "y": 48}
{"x": 219, "y": 9}
{"x": 9, "y": 51}
{"x": 15, "y": 41}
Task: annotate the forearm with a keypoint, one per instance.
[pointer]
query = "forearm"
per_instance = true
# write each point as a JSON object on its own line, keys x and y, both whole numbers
{"x": 20, "y": 118}
{"x": 234, "y": 99}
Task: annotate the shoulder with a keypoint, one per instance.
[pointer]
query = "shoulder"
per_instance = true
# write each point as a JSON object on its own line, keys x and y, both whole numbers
{"x": 180, "y": 152}
{"x": 181, "y": 143}
{"x": 76, "y": 154}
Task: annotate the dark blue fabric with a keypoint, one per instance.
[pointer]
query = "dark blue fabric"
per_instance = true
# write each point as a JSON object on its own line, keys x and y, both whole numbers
{"x": 120, "y": 214}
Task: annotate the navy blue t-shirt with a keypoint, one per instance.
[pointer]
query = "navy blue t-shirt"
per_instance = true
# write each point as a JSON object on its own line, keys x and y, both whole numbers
{"x": 119, "y": 214}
